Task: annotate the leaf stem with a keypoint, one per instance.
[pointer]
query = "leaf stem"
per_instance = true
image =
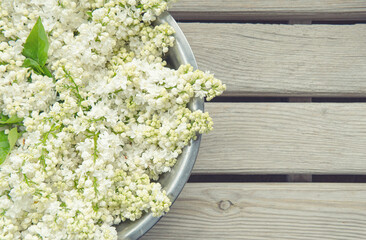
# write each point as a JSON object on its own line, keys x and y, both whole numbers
{"x": 76, "y": 87}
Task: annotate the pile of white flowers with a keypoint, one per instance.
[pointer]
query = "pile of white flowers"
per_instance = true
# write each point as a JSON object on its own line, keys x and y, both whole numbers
{"x": 109, "y": 120}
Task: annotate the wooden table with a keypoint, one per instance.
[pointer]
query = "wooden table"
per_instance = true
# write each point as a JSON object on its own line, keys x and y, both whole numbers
{"x": 287, "y": 157}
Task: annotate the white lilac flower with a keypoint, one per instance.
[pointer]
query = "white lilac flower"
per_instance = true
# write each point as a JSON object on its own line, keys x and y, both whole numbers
{"x": 110, "y": 120}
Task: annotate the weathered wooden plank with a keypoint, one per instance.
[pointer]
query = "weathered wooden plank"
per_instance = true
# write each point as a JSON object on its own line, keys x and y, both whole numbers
{"x": 282, "y": 10}
{"x": 282, "y": 60}
{"x": 299, "y": 177}
{"x": 284, "y": 138}
{"x": 266, "y": 211}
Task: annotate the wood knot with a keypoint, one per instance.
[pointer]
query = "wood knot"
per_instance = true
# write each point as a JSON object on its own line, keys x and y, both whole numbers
{"x": 225, "y": 204}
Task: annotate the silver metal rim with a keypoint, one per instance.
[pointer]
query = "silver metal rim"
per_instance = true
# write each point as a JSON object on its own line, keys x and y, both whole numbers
{"x": 174, "y": 181}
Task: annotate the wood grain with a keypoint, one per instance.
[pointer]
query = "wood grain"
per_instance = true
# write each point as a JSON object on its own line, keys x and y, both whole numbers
{"x": 284, "y": 138}
{"x": 282, "y": 60}
{"x": 282, "y": 10}
{"x": 266, "y": 211}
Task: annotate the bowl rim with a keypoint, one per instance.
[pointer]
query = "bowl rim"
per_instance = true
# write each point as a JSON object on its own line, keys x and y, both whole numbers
{"x": 174, "y": 181}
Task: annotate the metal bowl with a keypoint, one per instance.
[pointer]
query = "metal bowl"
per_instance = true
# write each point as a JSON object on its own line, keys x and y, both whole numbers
{"x": 174, "y": 181}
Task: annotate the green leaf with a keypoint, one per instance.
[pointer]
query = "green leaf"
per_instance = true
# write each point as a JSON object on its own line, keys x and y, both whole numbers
{"x": 13, "y": 119}
{"x": 36, "y": 50}
{"x": 7, "y": 142}
{"x": 28, "y": 62}
{"x": 47, "y": 72}
{"x": 36, "y": 45}
{"x": 90, "y": 15}
{"x": 4, "y": 147}
{"x": 13, "y": 136}
{"x": 3, "y": 117}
